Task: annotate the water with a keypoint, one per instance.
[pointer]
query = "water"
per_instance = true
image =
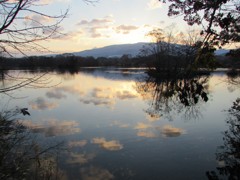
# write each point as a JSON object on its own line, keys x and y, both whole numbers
{"x": 121, "y": 124}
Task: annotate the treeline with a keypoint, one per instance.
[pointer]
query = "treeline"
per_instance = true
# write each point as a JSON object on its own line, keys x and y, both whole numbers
{"x": 73, "y": 62}
{"x": 69, "y": 61}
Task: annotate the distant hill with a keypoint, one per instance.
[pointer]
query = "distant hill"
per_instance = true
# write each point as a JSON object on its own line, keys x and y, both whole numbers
{"x": 113, "y": 50}
{"x": 121, "y": 49}
{"x": 221, "y": 52}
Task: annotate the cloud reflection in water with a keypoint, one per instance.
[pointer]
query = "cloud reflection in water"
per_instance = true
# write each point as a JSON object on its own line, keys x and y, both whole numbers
{"x": 112, "y": 145}
{"x": 120, "y": 124}
{"x": 153, "y": 117}
{"x": 53, "y": 127}
{"x": 58, "y": 93}
{"x": 141, "y": 125}
{"x": 107, "y": 96}
{"x": 96, "y": 173}
{"x": 78, "y": 158}
{"x": 81, "y": 143}
{"x": 147, "y": 134}
{"x": 42, "y": 104}
{"x": 170, "y": 131}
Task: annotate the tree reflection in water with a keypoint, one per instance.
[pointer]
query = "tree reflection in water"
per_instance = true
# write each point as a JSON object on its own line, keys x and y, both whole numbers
{"x": 229, "y": 153}
{"x": 21, "y": 157}
{"x": 167, "y": 96}
{"x": 233, "y": 79}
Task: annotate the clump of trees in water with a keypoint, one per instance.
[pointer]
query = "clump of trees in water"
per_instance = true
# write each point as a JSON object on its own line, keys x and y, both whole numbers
{"x": 175, "y": 53}
{"x": 219, "y": 21}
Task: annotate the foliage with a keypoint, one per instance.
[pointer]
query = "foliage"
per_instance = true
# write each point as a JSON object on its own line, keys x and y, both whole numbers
{"x": 22, "y": 26}
{"x": 21, "y": 157}
{"x": 219, "y": 19}
{"x": 178, "y": 53}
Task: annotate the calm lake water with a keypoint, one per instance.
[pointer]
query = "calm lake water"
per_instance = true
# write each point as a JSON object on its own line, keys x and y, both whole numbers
{"x": 121, "y": 124}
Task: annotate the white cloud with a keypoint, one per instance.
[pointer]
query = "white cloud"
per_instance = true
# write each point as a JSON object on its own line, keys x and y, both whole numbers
{"x": 154, "y": 4}
{"x": 97, "y": 28}
{"x": 45, "y": 2}
{"x": 37, "y": 20}
{"x": 125, "y": 29}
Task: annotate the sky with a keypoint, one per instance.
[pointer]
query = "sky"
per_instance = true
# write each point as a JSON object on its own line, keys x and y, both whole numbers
{"x": 104, "y": 22}
{"x": 107, "y": 22}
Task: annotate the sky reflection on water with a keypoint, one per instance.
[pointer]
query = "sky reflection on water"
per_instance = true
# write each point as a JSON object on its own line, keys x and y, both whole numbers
{"x": 115, "y": 131}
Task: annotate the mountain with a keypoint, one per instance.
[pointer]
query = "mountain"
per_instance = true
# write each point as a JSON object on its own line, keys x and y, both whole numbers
{"x": 221, "y": 52}
{"x": 113, "y": 50}
{"x": 129, "y": 49}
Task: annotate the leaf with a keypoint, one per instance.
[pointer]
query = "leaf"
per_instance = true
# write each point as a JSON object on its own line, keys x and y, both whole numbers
{"x": 24, "y": 111}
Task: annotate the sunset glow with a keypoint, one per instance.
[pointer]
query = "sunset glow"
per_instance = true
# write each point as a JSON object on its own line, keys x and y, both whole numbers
{"x": 102, "y": 23}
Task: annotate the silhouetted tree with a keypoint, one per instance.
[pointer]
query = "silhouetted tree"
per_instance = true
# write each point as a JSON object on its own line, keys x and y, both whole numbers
{"x": 164, "y": 50}
{"x": 220, "y": 19}
{"x": 21, "y": 156}
{"x": 21, "y": 27}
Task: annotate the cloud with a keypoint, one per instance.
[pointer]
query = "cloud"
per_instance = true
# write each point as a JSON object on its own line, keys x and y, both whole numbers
{"x": 154, "y": 4}
{"x": 170, "y": 131}
{"x": 38, "y": 20}
{"x": 96, "y": 22}
{"x": 46, "y": 2}
{"x": 97, "y": 28}
{"x": 125, "y": 29}
{"x": 77, "y": 158}
{"x": 53, "y": 127}
{"x": 112, "y": 145}
{"x": 57, "y": 93}
{"x": 104, "y": 27}
{"x": 71, "y": 35}
{"x": 95, "y": 173}
{"x": 81, "y": 143}
{"x": 142, "y": 126}
{"x": 42, "y": 104}
{"x": 162, "y": 22}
